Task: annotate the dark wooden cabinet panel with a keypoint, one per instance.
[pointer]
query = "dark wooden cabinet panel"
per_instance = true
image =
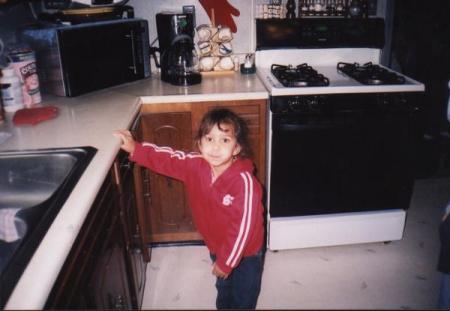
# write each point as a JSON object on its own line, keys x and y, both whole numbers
{"x": 162, "y": 201}
{"x": 105, "y": 268}
{"x": 137, "y": 252}
{"x": 76, "y": 286}
{"x": 108, "y": 284}
{"x": 169, "y": 215}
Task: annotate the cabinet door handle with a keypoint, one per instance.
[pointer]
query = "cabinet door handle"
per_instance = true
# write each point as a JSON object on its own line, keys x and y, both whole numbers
{"x": 136, "y": 251}
{"x": 169, "y": 182}
{"x": 127, "y": 165}
{"x": 119, "y": 302}
{"x": 147, "y": 198}
{"x": 117, "y": 177}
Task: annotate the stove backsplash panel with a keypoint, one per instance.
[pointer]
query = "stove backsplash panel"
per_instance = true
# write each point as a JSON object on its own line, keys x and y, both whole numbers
{"x": 319, "y": 33}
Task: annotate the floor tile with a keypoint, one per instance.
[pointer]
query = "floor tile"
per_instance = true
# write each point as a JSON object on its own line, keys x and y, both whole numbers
{"x": 397, "y": 275}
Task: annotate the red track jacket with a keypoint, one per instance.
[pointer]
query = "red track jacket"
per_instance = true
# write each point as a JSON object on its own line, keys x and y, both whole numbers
{"x": 228, "y": 213}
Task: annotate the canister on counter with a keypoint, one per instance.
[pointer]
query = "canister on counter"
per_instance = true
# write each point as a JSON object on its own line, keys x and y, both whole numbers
{"x": 23, "y": 60}
{"x": 11, "y": 90}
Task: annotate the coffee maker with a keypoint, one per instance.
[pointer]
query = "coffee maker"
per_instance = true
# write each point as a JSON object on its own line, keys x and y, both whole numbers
{"x": 178, "y": 58}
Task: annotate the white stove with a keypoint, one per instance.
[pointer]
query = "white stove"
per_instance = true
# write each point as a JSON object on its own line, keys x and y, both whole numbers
{"x": 325, "y": 62}
{"x": 317, "y": 163}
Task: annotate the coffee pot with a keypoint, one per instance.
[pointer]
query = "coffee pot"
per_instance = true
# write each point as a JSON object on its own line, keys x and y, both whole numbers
{"x": 178, "y": 57}
{"x": 181, "y": 62}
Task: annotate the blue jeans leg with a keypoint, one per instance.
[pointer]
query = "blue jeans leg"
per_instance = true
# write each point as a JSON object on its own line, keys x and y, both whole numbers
{"x": 241, "y": 289}
{"x": 444, "y": 295}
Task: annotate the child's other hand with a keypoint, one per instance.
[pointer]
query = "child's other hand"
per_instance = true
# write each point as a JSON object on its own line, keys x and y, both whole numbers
{"x": 218, "y": 272}
{"x": 128, "y": 143}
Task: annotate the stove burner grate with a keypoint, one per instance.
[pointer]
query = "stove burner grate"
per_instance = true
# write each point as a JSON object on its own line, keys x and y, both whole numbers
{"x": 370, "y": 74}
{"x": 299, "y": 76}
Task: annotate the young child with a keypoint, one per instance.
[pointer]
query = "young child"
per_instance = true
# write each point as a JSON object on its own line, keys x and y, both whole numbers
{"x": 225, "y": 199}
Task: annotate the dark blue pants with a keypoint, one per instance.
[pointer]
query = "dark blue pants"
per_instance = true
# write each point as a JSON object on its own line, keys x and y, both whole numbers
{"x": 444, "y": 295}
{"x": 241, "y": 289}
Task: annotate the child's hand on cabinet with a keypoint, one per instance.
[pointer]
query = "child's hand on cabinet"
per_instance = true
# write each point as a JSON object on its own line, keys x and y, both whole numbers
{"x": 128, "y": 143}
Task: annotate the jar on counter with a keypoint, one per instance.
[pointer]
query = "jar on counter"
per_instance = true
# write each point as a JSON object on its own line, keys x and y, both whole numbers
{"x": 24, "y": 62}
{"x": 11, "y": 89}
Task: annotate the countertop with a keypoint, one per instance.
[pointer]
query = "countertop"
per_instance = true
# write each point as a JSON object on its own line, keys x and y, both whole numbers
{"x": 89, "y": 120}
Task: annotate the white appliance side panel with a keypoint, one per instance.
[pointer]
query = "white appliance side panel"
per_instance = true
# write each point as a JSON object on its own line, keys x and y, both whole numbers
{"x": 335, "y": 229}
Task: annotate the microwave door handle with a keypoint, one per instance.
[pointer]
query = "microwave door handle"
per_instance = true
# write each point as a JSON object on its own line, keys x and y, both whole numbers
{"x": 133, "y": 51}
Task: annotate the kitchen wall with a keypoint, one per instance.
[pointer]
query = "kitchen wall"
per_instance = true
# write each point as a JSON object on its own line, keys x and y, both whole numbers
{"x": 13, "y": 17}
{"x": 243, "y": 39}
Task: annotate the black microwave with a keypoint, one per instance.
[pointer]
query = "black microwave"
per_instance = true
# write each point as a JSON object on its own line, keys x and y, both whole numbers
{"x": 76, "y": 59}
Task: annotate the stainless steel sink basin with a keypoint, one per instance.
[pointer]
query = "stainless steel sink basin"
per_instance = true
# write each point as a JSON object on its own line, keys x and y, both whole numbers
{"x": 34, "y": 185}
{"x": 27, "y": 180}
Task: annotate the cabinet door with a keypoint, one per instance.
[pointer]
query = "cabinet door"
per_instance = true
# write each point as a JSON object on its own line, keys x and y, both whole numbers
{"x": 168, "y": 211}
{"x": 94, "y": 275}
{"x": 108, "y": 284}
{"x": 137, "y": 252}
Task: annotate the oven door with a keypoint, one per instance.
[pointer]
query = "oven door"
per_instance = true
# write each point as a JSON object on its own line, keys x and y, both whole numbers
{"x": 352, "y": 154}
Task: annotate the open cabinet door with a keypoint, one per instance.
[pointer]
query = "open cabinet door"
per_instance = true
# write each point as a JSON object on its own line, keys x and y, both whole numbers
{"x": 140, "y": 182}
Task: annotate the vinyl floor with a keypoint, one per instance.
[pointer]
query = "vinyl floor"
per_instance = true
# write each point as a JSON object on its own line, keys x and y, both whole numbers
{"x": 397, "y": 275}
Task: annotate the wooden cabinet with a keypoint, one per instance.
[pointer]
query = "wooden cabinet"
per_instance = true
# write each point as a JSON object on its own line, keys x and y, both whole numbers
{"x": 106, "y": 267}
{"x": 163, "y": 201}
{"x": 169, "y": 216}
{"x": 137, "y": 253}
{"x": 109, "y": 284}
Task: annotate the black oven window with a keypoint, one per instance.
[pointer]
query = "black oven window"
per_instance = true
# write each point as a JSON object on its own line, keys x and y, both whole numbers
{"x": 344, "y": 161}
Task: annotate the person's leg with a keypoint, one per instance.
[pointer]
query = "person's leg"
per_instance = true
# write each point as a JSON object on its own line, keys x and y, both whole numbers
{"x": 223, "y": 286}
{"x": 223, "y": 300}
{"x": 444, "y": 295}
{"x": 246, "y": 282}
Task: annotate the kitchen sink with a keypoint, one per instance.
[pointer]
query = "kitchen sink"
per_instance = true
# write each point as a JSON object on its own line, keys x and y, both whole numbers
{"x": 34, "y": 185}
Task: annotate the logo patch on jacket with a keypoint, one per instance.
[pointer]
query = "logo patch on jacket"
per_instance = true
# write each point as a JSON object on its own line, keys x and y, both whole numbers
{"x": 227, "y": 200}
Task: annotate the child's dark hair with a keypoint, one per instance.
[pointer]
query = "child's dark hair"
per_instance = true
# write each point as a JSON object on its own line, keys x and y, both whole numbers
{"x": 225, "y": 116}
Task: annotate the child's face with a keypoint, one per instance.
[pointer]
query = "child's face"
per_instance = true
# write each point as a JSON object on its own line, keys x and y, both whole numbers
{"x": 219, "y": 146}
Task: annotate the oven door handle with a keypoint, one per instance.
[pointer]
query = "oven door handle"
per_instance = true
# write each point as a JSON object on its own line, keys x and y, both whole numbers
{"x": 306, "y": 127}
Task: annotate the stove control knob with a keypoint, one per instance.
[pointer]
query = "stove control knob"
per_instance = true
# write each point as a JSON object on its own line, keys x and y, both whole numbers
{"x": 313, "y": 104}
{"x": 297, "y": 105}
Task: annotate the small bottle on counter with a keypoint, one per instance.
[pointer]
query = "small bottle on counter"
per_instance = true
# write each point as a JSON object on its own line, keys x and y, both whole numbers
{"x": 236, "y": 63}
{"x": 11, "y": 88}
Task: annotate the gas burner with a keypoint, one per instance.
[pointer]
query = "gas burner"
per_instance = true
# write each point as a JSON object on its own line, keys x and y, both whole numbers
{"x": 299, "y": 76}
{"x": 370, "y": 74}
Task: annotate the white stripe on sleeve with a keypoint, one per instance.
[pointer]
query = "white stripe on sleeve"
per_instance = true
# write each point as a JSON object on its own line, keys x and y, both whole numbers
{"x": 245, "y": 221}
{"x": 173, "y": 153}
